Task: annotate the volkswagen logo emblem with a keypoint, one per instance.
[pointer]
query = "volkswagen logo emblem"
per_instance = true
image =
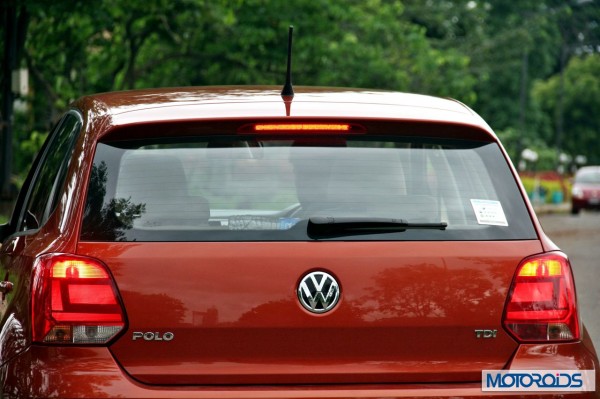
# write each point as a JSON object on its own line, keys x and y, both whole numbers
{"x": 318, "y": 292}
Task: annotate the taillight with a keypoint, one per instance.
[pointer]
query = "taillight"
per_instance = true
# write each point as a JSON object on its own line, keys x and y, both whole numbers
{"x": 74, "y": 301}
{"x": 541, "y": 302}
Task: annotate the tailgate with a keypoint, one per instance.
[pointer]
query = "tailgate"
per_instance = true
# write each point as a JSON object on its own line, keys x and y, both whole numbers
{"x": 229, "y": 313}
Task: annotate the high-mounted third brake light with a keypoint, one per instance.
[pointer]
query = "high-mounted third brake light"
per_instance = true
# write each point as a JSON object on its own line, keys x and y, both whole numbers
{"x": 302, "y": 128}
{"x": 74, "y": 301}
{"x": 542, "y": 303}
{"x": 341, "y": 127}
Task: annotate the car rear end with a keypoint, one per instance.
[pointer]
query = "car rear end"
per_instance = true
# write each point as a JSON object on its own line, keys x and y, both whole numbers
{"x": 304, "y": 256}
{"x": 585, "y": 193}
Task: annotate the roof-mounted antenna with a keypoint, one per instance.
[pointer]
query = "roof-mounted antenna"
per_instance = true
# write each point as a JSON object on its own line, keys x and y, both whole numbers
{"x": 287, "y": 88}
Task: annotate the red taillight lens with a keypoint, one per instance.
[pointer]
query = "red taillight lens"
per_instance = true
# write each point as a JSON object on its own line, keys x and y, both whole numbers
{"x": 542, "y": 303}
{"x": 74, "y": 300}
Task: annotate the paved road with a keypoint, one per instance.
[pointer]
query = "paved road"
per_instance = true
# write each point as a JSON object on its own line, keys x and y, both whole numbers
{"x": 579, "y": 238}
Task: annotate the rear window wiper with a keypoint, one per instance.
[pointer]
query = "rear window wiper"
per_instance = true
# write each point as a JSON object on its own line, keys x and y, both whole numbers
{"x": 324, "y": 227}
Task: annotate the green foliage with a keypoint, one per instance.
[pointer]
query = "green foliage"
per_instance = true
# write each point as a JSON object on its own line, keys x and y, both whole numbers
{"x": 515, "y": 142}
{"x": 163, "y": 43}
{"x": 28, "y": 149}
{"x": 580, "y": 96}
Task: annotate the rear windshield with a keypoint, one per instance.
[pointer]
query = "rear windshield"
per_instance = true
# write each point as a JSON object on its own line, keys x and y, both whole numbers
{"x": 271, "y": 189}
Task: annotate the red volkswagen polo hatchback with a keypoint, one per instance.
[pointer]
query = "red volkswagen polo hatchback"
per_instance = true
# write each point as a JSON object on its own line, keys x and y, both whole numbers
{"x": 225, "y": 243}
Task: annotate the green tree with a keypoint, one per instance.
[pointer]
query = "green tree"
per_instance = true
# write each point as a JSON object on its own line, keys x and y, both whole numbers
{"x": 581, "y": 102}
{"x": 510, "y": 45}
{"x": 73, "y": 49}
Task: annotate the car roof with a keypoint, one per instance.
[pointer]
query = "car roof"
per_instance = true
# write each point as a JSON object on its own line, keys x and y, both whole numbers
{"x": 589, "y": 168}
{"x": 233, "y": 102}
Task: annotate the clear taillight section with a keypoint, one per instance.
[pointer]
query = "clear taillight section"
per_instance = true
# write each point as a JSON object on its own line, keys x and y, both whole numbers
{"x": 542, "y": 302}
{"x": 74, "y": 301}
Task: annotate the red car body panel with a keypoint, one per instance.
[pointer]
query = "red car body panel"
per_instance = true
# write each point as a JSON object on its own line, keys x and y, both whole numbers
{"x": 93, "y": 372}
{"x": 232, "y": 309}
{"x": 222, "y": 103}
{"x": 237, "y": 336}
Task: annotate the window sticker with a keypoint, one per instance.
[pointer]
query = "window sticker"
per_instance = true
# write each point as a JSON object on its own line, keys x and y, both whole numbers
{"x": 489, "y": 212}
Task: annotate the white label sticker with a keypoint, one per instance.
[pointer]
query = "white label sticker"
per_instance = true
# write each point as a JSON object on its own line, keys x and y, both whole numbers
{"x": 489, "y": 212}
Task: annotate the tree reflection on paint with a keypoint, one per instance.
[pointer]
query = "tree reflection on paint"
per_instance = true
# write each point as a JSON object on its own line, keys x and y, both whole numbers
{"x": 57, "y": 372}
{"x": 429, "y": 291}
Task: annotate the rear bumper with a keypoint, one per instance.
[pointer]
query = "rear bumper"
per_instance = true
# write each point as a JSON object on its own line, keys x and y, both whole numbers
{"x": 586, "y": 203}
{"x": 92, "y": 372}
